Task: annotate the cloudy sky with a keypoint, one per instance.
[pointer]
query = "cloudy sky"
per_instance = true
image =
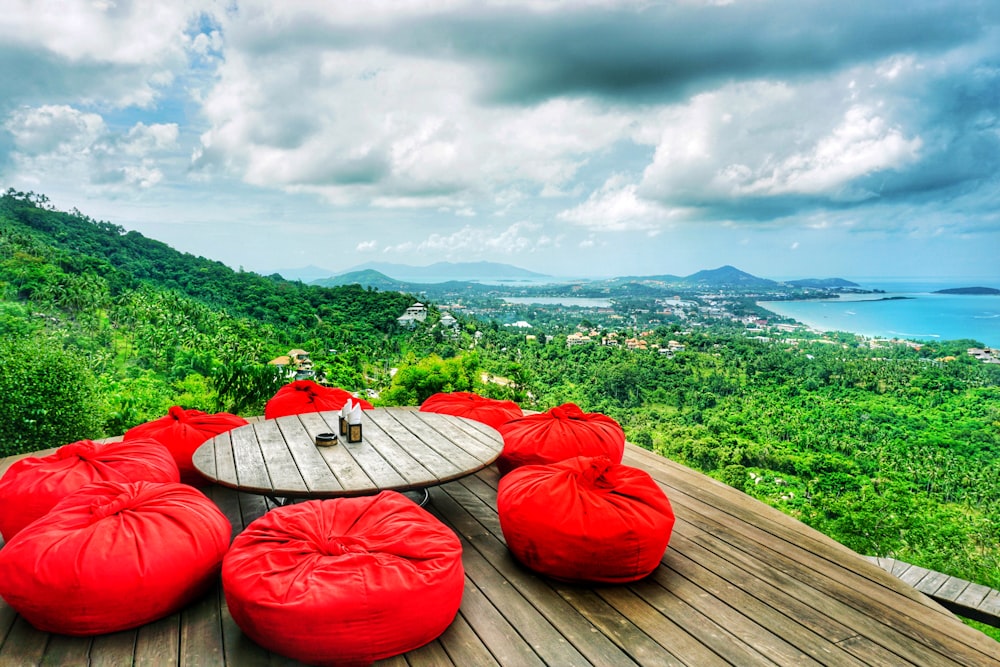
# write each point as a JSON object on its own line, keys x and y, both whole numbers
{"x": 789, "y": 138}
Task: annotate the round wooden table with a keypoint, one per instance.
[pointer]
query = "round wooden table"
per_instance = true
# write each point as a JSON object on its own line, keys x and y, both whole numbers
{"x": 402, "y": 449}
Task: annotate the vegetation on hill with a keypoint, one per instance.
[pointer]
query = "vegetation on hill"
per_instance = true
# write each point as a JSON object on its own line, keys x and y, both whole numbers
{"x": 131, "y": 327}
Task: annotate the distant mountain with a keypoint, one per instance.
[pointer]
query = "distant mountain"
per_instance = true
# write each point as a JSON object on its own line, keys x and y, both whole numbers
{"x": 727, "y": 276}
{"x": 822, "y": 283}
{"x": 447, "y": 271}
{"x": 969, "y": 290}
{"x": 306, "y": 274}
{"x": 365, "y": 278}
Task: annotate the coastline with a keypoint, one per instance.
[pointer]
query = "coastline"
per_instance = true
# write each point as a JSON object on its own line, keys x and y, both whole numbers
{"x": 919, "y": 316}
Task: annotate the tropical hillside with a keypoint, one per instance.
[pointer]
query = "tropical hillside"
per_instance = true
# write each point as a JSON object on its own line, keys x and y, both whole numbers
{"x": 892, "y": 451}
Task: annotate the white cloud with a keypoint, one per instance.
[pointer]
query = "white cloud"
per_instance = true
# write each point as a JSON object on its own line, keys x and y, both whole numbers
{"x": 368, "y": 124}
{"x": 122, "y": 31}
{"x": 616, "y": 206}
{"x": 472, "y": 241}
{"x": 863, "y": 143}
{"x": 54, "y": 129}
{"x": 59, "y": 144}
{"x": 367, "y": 246}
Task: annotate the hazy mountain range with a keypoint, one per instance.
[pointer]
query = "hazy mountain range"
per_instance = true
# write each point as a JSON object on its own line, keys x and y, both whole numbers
{"x": 433, "y": 273}
{"x": 415, "y": 278}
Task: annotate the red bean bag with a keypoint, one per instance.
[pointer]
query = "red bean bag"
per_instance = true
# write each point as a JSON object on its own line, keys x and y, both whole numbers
{"x": 183, "y": 431}
{"x": 344, "y": 581}
{"x": 33, "y": 485}
{"x": 114, "y": 556}
{"x": 585, "y": 519}
{"x": 489, "y": 411}
{"x": 307, "y": 396}
{"x": 559, "y": 434}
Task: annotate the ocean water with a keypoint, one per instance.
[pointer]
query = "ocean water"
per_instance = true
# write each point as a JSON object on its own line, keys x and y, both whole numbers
{"x": 922, "y": 315}
{"x": 583, "y": 302}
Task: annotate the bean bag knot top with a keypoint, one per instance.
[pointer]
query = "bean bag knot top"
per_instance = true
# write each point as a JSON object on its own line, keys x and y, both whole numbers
{"x": 563, "y": 432}
{"x": 345, "y": 581}
{"x": 585, "y": 520}
{"x": 113, "y": 556}
{"x": 490, "y": 411}
{"x": 33, "y": 485}
{"x": 303, "y": 396}
{"x": 182, "y": 432}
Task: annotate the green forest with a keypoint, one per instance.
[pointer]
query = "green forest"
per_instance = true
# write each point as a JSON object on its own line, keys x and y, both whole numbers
{"x": 892, "y": 452}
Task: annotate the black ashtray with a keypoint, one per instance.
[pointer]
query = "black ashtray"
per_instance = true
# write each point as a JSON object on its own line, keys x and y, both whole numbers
{"x": 326, "y": 439}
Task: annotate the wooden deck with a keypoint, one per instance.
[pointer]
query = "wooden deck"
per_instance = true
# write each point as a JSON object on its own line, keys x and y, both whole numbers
{"x": 741, "y": 584}
{"x": 965, "y": 598}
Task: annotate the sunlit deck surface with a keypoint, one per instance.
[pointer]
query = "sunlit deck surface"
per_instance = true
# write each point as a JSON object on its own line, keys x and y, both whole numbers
{"x": 741, "y": 584}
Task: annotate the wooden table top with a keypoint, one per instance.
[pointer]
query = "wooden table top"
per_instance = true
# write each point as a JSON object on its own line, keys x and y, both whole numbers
{"x": 402, "y": 449}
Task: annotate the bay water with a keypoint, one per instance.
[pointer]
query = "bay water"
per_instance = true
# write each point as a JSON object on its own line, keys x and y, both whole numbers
{"x": 907, "y": 309}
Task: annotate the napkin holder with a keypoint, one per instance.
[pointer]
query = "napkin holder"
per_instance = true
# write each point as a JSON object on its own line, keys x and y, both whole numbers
{"x": 354, "y": 433}
{"x": 354, "y": 424}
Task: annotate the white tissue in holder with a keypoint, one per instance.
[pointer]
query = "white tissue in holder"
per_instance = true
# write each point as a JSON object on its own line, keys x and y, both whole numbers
{"x": 354, "y": 424}
{"x": 345, "y": 411}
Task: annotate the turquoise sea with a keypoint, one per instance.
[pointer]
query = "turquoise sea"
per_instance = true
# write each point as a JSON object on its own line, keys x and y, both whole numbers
{"x": 921, "y": 315}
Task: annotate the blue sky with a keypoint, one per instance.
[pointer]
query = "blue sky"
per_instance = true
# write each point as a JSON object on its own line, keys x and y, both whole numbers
{"x": 789, "y": 138}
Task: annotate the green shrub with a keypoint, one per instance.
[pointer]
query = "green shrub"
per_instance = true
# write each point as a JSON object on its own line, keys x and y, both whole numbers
{"x": 47, "y": 397}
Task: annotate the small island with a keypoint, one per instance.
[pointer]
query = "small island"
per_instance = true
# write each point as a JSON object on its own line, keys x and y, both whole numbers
{"x": 969, "y": 290}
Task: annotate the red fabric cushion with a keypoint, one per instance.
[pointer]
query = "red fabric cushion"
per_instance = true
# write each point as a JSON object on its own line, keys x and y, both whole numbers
{"x": 114, "y": 556}
{"x": 183, "y": 431}
{"x": 489, "y": 411}
{"x": 307, "y": 396}
{"x": 585, "y": 519}
{"x": 559, "y": 434}
{"x": 33, "y": 485}
{"x": 344, "y": 581}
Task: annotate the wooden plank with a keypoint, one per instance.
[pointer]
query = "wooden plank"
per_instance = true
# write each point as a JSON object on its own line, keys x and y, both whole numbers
{"x": 867, "y": 652}
{"x": 673, "y": 639}
{"x": 114, "y": 649}
{"x": 930, "y": 584}
{"x": 496, "y": 633}
{"x": 471, "y": 435}
{"x": 24, "y": 645}
{"x": 465, "y": 513}
{"x": 754, "y": 623}
{"x": 774, "y": 605}
{"x": 833, "y": 560}
{"x": 458, "y": 430}
{"x": 898, "y": 568}
{"x": 991, "y": 604}
{"x": 399, "y": 458}
{"x": 914, "y": 575}
{"x": 866, "y": 609}
{"x": 239, "y": 649}
{"x": 349, "y": 472}
{"x": 464, "y": 647}
{"x": 282, "y": 469}
{"x": 225, "y": 459}
{"x": 430, "y": 655}
{"x": 158, "y": 643}
{"x": 63, "y": 650}
{"x": 439, "y": 467}
{"x": 201, "y": 642}
{"x": 251, "y": 471}
{"x": 973, "y": 595}
{"x": 633, "y": 641}
{"x": 544, "y": 639}
{"x": 299, "y": 434}
{"x": 951, "y": 589}
{"x": 444, "y": 446}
